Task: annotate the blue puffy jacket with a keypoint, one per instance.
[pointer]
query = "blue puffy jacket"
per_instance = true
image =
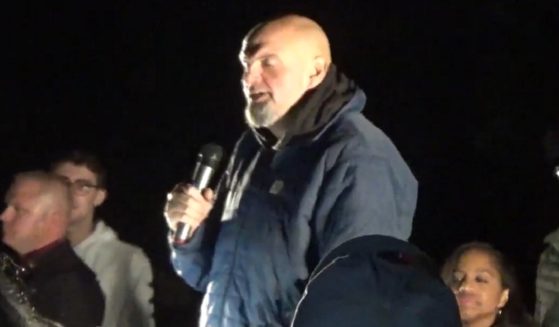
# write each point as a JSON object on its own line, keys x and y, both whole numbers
{"x": 279, "y": 210}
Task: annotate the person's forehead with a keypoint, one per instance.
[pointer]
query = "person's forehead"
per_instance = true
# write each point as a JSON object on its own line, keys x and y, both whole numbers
{"x": 73, "y": 171}
{"x": 272, "y": 40}
{"x": 478, "y": 261}
{"x": 24, "y": 190}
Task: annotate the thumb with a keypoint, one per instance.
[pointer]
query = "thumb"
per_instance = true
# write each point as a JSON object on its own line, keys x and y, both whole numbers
{"x": 208, "y": 194}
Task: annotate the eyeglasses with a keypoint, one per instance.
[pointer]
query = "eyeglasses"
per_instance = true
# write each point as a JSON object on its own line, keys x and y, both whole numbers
{"x": 81, "y": 186}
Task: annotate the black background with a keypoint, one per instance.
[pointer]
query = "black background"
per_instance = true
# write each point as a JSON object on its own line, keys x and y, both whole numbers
{"x": 467, "y": 92}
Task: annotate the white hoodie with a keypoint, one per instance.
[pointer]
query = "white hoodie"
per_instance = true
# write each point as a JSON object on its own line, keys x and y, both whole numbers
{"x": 124, "y": 274}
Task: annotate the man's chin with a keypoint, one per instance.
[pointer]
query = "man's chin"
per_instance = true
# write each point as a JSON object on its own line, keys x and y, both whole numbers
{"x": 76, "y": 220}
{"x": 257, "y": 115}
{"x": 10, "y": 243}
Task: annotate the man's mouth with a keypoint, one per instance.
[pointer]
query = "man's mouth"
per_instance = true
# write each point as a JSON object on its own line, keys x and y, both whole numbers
{"x": 258, "y": 96}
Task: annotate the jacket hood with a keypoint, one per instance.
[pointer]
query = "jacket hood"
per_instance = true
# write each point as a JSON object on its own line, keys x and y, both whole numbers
{"x": 315, "y": 110}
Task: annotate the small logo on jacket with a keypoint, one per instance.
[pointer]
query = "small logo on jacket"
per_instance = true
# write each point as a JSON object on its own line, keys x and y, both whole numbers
{"x": 276, "y": 187}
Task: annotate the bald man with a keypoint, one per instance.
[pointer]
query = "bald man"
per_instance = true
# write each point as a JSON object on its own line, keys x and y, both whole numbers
{"x": 310, "y": 173}
{"x": 60, "y": 286}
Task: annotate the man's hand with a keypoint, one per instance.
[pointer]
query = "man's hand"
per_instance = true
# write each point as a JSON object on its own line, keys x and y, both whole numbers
{"x": 188, "y": 205}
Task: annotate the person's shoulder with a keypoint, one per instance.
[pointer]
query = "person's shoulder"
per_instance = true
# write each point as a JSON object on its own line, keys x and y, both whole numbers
{"x": 355, "y": 125}
{"x": 357, "y": 137}
{"x": 80, "y": 271}
{"x": 76, "y": 278}
{"x": 107, "y": 241}
{"x": 124, "y": 249}
{"x": 552, "y": 238}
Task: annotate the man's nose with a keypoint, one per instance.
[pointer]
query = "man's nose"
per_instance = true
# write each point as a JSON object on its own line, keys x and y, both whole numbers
{"x": 250, "y": 76}
{"x": 5, "y": 216}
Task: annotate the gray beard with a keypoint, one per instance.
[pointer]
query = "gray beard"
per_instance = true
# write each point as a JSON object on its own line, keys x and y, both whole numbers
{"x": 258, "y": 115}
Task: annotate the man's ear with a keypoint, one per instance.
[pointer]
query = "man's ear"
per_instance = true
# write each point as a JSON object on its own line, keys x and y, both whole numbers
{"x": 100, "y": 197}
{"x": 319, "y": 69}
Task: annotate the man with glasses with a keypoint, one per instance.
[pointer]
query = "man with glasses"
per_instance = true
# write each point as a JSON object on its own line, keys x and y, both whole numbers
{"x": 122, "y": 269}
{"x": 49, "y": 275}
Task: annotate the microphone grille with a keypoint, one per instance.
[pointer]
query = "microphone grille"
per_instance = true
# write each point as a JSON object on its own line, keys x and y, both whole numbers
{"x": 210, "y": 155}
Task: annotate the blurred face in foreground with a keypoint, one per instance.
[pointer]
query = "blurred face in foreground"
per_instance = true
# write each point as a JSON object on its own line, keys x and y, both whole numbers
{"x": 24, "y": 216}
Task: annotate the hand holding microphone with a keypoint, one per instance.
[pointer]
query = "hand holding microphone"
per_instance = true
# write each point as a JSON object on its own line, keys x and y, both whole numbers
{"x": 188, "y": 205}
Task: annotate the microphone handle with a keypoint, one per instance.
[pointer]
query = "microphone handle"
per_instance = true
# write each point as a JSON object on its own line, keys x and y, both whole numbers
{"x": 182, "y": 233}
{"x": 201, "y": 180}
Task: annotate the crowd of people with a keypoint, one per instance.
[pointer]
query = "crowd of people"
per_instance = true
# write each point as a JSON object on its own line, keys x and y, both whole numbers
{"x": 68, "y": 264}
{"x": 307, "y": 226}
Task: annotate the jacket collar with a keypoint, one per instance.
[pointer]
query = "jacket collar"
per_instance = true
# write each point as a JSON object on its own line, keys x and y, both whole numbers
{"x": 316, "y": 110}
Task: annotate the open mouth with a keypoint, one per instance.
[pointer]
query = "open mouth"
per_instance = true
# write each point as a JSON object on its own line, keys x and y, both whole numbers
{"x": 258, "y": 96}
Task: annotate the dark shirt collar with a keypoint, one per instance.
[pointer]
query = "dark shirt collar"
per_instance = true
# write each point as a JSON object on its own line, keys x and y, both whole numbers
{"x": 30, "y": 259}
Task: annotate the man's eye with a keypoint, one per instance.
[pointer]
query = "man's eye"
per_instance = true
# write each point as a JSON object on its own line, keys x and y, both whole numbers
{"x": 65, "y": 179}
{"x": 19, "y": 210}
{"x": 268, "y": 62}
{"x": 83, "y": 185}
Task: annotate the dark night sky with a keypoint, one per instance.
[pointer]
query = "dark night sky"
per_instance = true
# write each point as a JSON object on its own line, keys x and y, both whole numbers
{"x": 467, "y": 92}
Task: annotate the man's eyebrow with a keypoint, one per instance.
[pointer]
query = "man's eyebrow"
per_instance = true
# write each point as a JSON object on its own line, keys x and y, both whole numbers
{"x": 84, "y": 181}
{"x": 250, "y": 50}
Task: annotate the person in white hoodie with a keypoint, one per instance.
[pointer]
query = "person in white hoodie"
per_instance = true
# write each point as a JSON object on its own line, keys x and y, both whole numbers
{"x": 123, "y": 270}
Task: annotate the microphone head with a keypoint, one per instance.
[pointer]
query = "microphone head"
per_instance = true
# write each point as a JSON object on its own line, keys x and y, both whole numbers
{"x": 210, "y": 155}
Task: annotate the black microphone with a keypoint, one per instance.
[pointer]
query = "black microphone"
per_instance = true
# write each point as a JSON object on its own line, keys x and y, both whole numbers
{"x": 207, "y": 162}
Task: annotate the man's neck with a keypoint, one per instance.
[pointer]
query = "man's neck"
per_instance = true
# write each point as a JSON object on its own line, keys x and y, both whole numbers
{"x": 277, "y": 130}
{"x": 39, "y": 251}
{"x": 79, "y": 231}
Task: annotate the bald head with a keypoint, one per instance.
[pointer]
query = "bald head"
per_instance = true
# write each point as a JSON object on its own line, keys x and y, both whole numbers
{"x": 37, "y": 211}
{"x": 300, "y": 30}
{"x": 282, "y": 59}
{"x": 51, "y": 192}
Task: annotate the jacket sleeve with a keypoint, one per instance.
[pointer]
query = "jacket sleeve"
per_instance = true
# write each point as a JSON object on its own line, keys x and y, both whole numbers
{"x": 142, "y": 289}
{"x": 192, "y": 260}
{"x": 364, "y": 195}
